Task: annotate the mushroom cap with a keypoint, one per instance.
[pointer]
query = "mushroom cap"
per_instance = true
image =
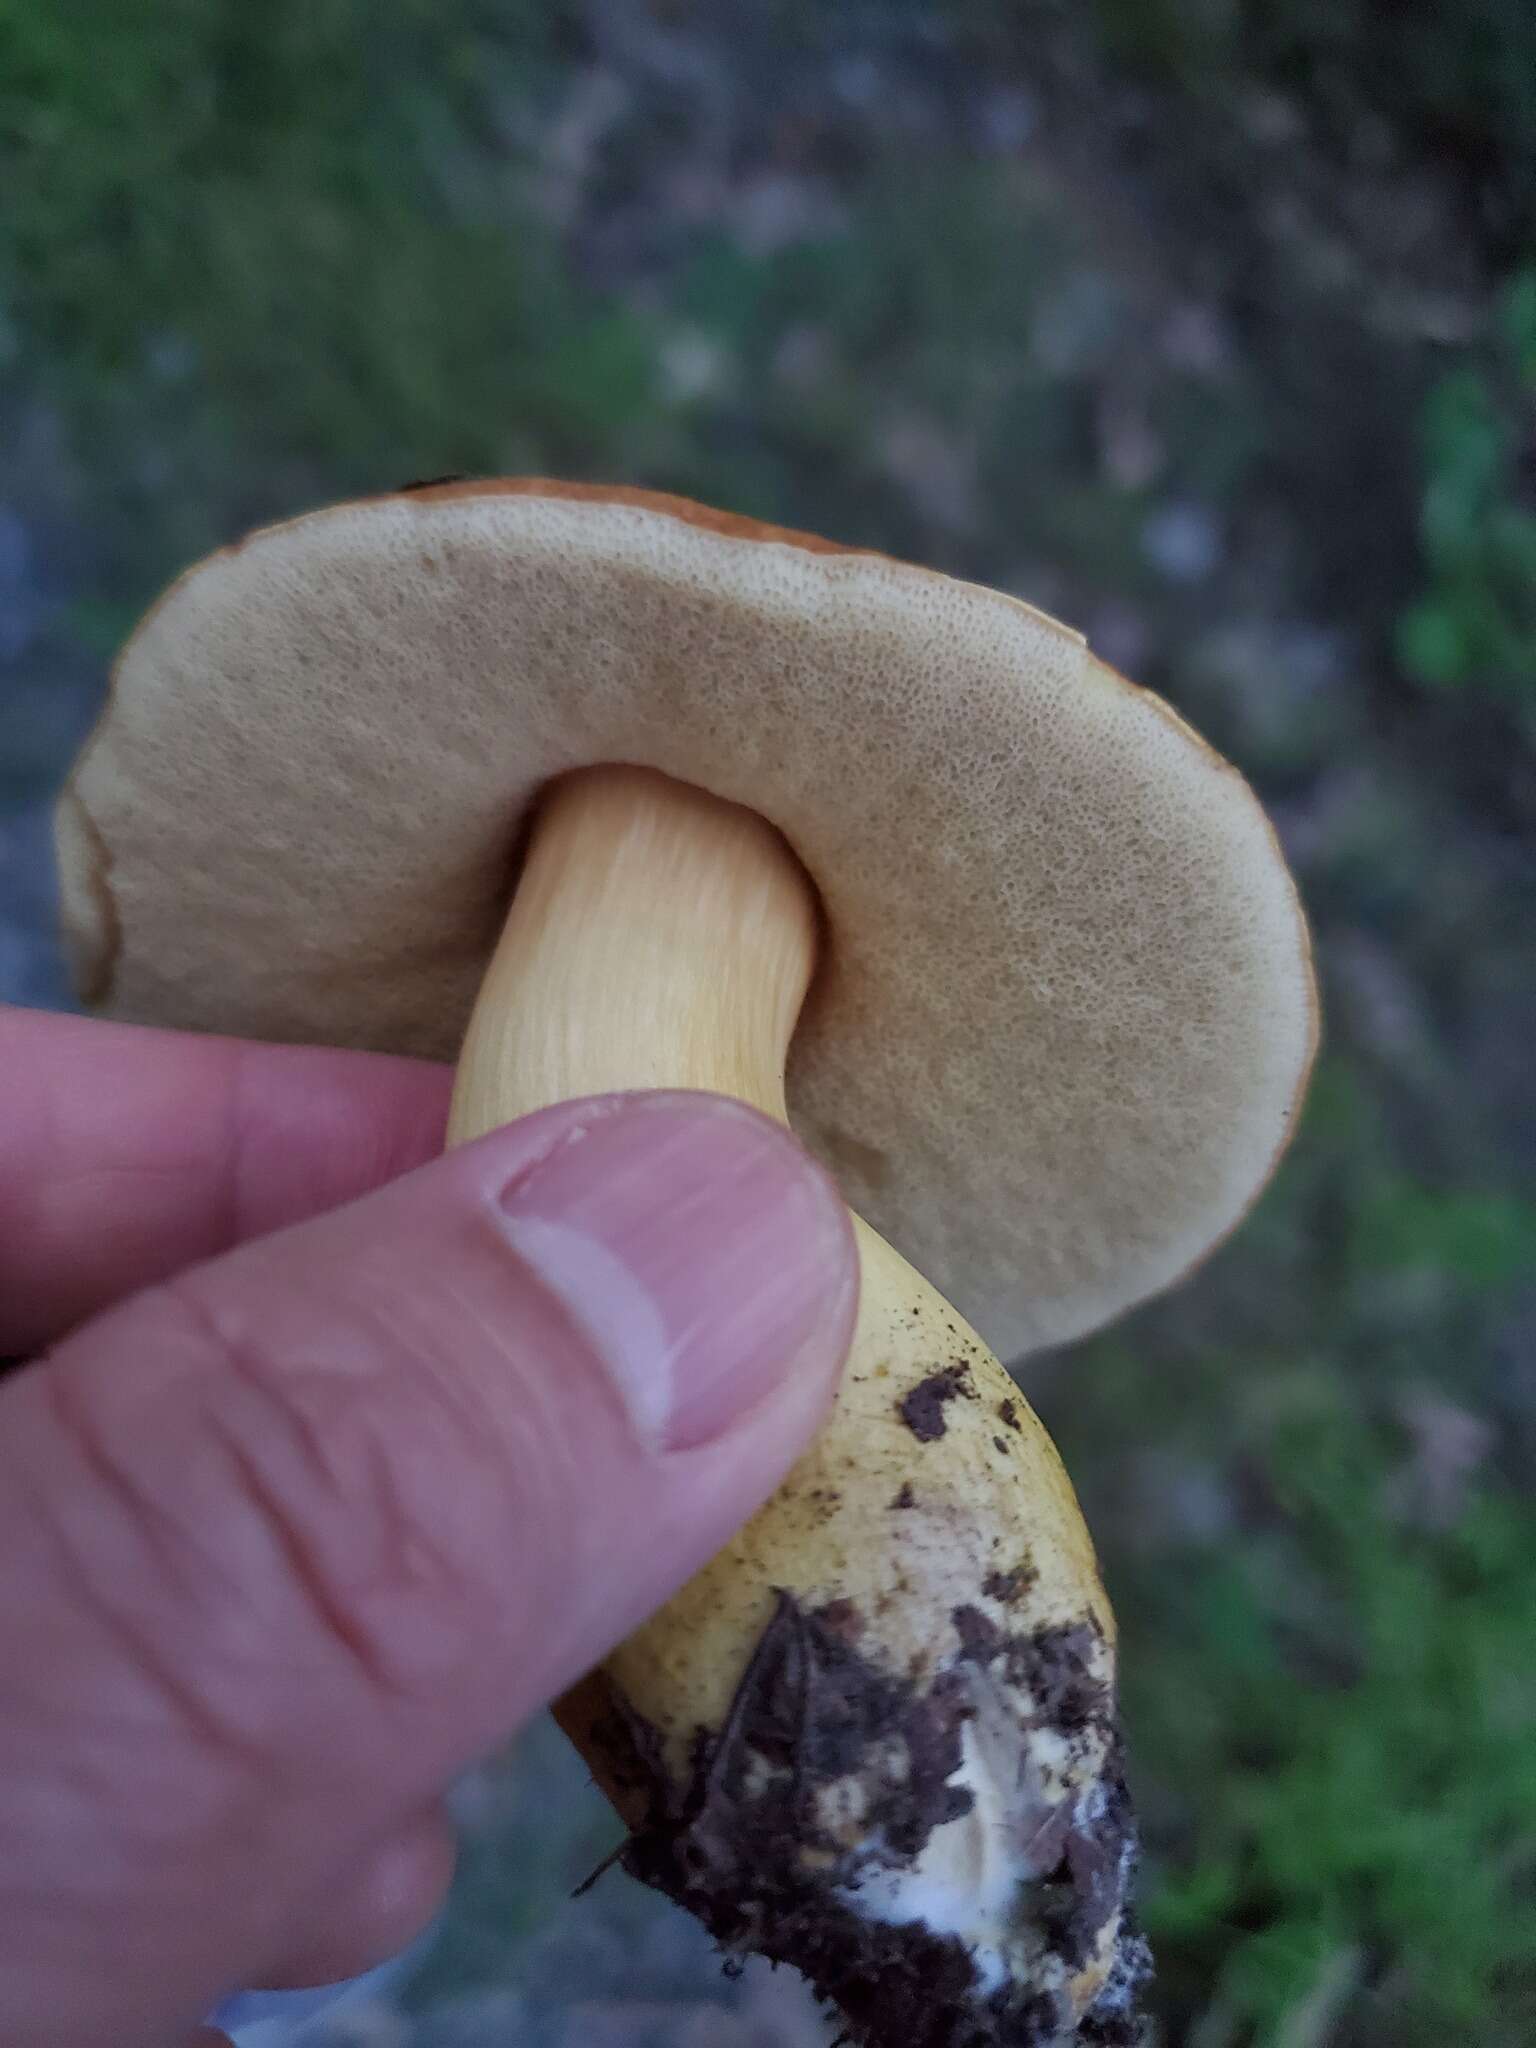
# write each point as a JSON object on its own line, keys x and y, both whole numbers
{"x": 1064, "y": 1011}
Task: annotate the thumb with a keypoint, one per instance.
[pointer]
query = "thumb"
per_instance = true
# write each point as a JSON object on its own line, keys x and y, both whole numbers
{"x": 287, "y": 1542}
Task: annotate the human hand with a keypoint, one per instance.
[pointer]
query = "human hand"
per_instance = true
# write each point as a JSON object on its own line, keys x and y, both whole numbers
{"x": 345, "y": 1459}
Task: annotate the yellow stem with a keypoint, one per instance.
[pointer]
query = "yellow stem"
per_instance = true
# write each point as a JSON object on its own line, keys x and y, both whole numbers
{"x": 659, "y": 938}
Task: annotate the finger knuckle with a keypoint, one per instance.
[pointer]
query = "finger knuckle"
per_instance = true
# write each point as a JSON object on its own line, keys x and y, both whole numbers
{"x": 363, "y": 1500}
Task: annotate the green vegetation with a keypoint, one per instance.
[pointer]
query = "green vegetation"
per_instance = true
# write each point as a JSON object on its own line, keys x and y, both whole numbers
{"x": 273, "y": 245}
{"x": 1246, "y": 388}
{"x": 1475, "y": 627}
{"x": 1360, "y": 1707}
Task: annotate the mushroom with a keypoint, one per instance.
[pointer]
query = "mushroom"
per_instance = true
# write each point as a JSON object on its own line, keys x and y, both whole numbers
{"x": 892, "y": 857}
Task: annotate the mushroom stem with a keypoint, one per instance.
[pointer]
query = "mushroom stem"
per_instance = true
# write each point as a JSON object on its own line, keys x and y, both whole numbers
{"x": 659, "y": 938}
{"x": 875, "y": 1737}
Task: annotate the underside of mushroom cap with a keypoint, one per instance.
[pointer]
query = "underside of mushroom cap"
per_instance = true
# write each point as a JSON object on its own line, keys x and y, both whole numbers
{"x": 1064, "y": 1010}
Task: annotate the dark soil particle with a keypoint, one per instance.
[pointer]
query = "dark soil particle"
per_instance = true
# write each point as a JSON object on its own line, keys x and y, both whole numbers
{"x": 1009, "y": 1411}
{"x": 843, "y": 1618}
{"x": 746, "y": 1845}
{"x": 922, "y": 1410}
{"x": 1006, "y": 1587}
{"x": 980, "y": 1637}
{"x": 905, "y": 1499}
{"x": 1054, "y": 1663}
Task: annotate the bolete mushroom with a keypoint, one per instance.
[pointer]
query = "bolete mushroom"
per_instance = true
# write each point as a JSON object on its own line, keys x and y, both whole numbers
{"x": 1060, "y": 1016}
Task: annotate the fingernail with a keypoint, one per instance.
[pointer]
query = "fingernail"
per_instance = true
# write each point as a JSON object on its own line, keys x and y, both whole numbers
{"x": 698, "y": 1249}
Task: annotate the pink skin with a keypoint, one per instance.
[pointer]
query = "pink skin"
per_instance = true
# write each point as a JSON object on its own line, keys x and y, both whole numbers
{"x": 129, "y": 1154}
{"x": 332, "y": 1475}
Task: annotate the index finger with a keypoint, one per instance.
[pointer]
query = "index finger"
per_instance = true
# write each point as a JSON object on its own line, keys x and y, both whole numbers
{"x": 126, "y": 1153}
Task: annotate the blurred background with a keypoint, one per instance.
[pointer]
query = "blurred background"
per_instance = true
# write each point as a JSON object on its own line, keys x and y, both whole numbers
{"x": 1207, "y": 324}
